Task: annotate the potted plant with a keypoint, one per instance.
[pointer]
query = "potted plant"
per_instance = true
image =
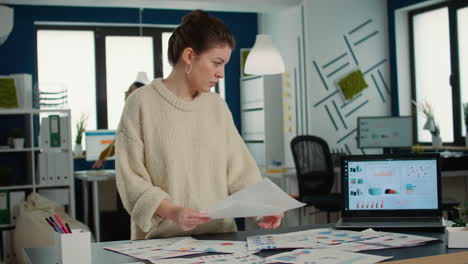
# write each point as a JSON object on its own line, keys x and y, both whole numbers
{"x": 430, "y": 124}
{"x": 17, "y": 138}
{"x": 457, "y": 234}
{"x": 80, "y": 129}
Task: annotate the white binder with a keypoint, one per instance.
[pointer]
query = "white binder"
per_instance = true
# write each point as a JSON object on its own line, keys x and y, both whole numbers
{"x": 16, "y": 198}
{"x": 44, "y": 134}
{"x": 42, "y": 177}
{"x": 8, "y": 247}
{"x": 64, "y": 132}
{"x": 61, "y": 168}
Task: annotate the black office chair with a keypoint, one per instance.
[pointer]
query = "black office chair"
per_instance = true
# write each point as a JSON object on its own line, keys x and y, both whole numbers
{"x": 315, "y": 174}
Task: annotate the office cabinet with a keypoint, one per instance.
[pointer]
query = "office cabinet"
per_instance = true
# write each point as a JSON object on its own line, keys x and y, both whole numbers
{"x": 262, "y": 118}
{"x": 44, "y": 162}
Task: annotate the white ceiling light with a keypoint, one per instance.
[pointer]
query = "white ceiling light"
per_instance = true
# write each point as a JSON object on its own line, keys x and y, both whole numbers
{"x": 264, "y": 58}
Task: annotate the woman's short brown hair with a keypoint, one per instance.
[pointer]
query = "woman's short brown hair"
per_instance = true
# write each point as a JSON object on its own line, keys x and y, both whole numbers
{"x": 199, "y": 31}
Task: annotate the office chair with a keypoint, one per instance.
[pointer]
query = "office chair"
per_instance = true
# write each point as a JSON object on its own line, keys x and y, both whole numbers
{"x": 315, "y": 174}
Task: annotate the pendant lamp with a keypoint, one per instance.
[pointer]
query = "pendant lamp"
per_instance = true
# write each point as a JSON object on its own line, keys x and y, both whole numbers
{"x": 264, "y": 58}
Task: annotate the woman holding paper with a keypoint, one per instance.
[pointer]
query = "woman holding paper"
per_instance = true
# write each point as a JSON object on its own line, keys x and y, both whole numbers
{"x": 177, "y": 148}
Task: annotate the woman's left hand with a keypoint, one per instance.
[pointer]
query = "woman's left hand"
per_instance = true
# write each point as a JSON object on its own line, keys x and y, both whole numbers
{"x": 272, "y": 221}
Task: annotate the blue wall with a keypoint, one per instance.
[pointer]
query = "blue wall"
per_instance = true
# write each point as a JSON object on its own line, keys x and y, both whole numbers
{"x": 18, "y": 53}
{"x": 392, "y": 5}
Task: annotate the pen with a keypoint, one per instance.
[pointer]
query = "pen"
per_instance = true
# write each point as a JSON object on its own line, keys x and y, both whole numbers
{"x": 69, "y": 229}
{"x": 50, "y": 223}
{"x": 61, "y": 224}
{"x": 56, "y": 225}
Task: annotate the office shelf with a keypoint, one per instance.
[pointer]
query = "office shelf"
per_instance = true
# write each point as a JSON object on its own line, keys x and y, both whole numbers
{"x": 22, "y": 165}
{"x": 19, "y": 150}
{"x": 16, "y": 187}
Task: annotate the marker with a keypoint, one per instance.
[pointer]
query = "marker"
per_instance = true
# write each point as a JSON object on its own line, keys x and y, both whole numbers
{"x": 56, "y": 225}
{"x": 61, "y": 223}
{"x": 50, "y": 223}
{"x": 69, "y": 229}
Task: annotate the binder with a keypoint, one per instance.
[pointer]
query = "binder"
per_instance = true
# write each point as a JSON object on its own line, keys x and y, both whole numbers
{"x": 50, "y": 167}
{"x": 54, "y": 131}
{"x": 61, "y": 168}
{"x": 4, "y": 208}
{"x": 64, "y": 132}
{"x": 8, "y": 248}
{"x": 16, "y": 198}
{"x": 42, "y": 177}
{"x": 44, "y": 134}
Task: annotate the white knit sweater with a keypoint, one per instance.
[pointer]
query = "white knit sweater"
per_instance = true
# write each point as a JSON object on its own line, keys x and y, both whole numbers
{"x": 187, "y": 152}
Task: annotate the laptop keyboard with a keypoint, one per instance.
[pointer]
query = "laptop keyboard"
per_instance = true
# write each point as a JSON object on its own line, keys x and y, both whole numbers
{"x": 392, "y": 219}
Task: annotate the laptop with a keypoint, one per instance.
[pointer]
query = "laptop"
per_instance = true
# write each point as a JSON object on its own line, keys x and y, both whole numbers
{"x": 391, "y": 190}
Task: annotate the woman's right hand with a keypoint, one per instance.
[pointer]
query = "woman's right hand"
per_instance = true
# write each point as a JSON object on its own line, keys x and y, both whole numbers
{"x": 188, "y": 219}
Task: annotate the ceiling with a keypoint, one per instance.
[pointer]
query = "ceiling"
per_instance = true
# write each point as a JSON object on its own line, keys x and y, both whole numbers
{"x": 211, "y": 5}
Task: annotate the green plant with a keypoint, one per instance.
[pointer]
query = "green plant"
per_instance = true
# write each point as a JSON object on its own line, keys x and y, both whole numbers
{"x": 16, "y": 132}
{"x": 80, "y": 128}
{"x": 463, "y": 211}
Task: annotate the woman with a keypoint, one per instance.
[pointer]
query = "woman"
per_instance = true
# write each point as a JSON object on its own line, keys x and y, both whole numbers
{"x": 177, "y": 148}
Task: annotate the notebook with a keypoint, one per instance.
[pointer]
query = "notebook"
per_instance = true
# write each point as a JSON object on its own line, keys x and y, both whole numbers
{"x": 391, "y": 190}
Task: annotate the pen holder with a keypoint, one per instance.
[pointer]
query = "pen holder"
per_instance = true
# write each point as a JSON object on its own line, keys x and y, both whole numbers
{"x": 73, "y": 248}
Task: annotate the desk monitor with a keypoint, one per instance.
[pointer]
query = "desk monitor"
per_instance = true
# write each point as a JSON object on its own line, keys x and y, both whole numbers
{"x": 385, "y": 131}
{"x": 97, "y": 141}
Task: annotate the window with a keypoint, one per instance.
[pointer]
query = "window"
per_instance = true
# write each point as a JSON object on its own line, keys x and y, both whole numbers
{"x": 66, "y": 60}
{"x": 438, "y": 41}
{"x": 96, "y": 65}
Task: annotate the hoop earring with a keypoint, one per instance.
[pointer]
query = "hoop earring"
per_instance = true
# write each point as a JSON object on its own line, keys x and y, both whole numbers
{"x": 188, "y": 70}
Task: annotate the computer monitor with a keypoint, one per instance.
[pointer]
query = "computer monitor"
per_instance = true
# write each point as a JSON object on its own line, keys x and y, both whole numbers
{"x": 96, "y": 141}
{"x": 385, "y": 131}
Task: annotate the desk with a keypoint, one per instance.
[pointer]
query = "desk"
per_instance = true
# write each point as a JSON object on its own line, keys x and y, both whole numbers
{"x": 93, "y": 176}
{"x": 100, "y": 255}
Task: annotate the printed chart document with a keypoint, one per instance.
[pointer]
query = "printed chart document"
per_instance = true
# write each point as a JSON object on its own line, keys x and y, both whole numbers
{"x": 216, "y": 246}
{"x": 150, "y": 249}
{"x": 330, "y": 256}
{"x": 261, "y": 199}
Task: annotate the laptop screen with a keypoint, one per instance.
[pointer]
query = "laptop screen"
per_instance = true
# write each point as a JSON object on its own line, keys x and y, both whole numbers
{"x": 391, "y": 184}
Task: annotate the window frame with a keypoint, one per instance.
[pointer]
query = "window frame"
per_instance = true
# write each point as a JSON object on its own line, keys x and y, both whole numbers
{"x": 454, "y": 79}
{"x": 100, "y": 34}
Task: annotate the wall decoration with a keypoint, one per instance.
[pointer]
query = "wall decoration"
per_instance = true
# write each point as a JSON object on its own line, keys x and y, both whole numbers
{"x": 352, "y": 84}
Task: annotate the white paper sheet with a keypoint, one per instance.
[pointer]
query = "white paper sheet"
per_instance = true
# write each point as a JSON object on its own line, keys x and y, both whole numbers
{"x": 330, "y": 256}
{"x": 261, "y": 199}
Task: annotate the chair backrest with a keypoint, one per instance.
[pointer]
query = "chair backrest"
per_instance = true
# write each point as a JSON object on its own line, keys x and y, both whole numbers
{"x": 314, "y": 166}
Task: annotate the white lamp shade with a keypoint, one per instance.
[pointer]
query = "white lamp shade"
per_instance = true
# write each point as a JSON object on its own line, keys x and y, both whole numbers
{"x": 142, "y": 77}
{"x": 264, "y": 58}
{"x": 6, "y": 23}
